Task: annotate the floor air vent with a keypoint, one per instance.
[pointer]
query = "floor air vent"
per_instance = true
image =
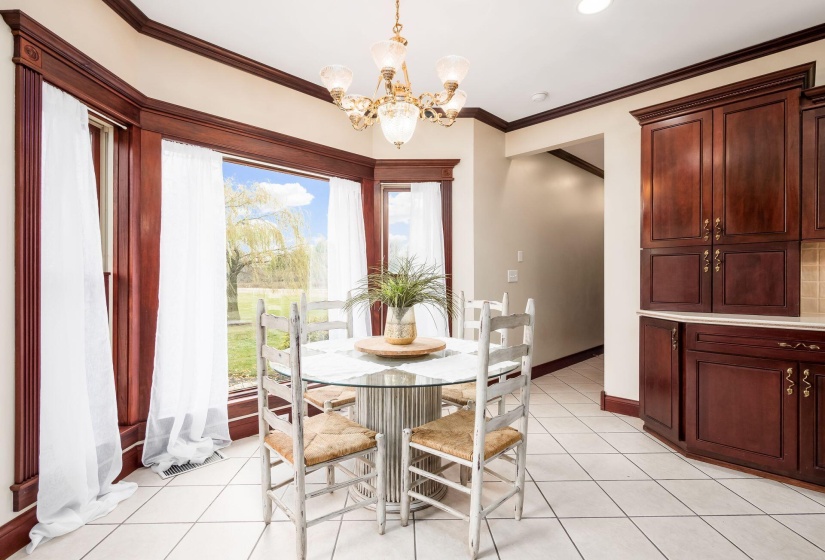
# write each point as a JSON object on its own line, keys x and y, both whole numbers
{"x": 175, "y": 470}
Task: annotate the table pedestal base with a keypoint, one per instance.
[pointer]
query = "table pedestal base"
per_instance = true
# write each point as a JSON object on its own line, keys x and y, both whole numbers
{"x": 390, "y": 411}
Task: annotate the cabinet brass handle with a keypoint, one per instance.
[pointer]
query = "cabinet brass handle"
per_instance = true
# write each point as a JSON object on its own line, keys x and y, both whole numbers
{"x": 807, "y": 390}
{"x": 798, "y": 344}
{"x": 674, "y": 339}
{"x": 718, "y": 229}
{"x": 706, "y": 229}
{"x": 717, "y": 261}
{"x": 789, "y": 380}
{"x": 706, "y": 259}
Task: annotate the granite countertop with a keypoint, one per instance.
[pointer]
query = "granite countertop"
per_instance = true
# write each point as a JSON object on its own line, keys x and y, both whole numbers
{"x": 810, "y": 322}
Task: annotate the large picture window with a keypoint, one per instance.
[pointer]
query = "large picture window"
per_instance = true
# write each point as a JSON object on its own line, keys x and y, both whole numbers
{"x": 276, "y": 240}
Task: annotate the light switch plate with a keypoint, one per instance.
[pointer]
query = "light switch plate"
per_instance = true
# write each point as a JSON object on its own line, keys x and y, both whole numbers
{"x": 512, "y": 276}
{"x": 521, "y": 256}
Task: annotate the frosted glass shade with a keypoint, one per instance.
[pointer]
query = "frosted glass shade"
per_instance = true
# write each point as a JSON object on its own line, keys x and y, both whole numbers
{"x": 452, "y": 68}
{"x": 457, "y": 102}
{"x": 388, "y": 54}
{"x": 398, "y": 121}
{"x": 336, "y": 76}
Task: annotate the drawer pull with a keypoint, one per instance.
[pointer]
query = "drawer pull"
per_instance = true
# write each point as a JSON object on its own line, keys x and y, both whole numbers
{"x": 718, "y": 229}
{"x": 717, "y": 261}
{"x": 798, "y": 344}
{"x": 789, "y": 380}
{"x": 706, "y": 260}
{"x": 807, "y": 390}
{"x": 674, "y": 339}
{"x": 707, "y": 231}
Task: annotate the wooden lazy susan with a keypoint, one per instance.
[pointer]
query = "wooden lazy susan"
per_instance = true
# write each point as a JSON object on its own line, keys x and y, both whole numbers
{"x": 421, "y": 346}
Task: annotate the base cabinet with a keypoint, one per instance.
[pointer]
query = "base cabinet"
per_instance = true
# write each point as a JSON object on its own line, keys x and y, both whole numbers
{"x": 659, "y": 376}
{"x": 812, "y": 422}
{"x": 743, "y": 409}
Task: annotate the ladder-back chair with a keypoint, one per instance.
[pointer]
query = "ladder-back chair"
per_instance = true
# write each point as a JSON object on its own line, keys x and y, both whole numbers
{"x": 468, "y": 438}
{"x": 308, "y": 444}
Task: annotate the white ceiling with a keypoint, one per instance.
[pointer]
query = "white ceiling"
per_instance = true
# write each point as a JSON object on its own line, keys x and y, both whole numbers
{"x": 516, "y": 47}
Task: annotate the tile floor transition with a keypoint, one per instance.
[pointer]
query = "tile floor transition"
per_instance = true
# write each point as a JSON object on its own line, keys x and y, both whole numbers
{"x": 599, "y": 488}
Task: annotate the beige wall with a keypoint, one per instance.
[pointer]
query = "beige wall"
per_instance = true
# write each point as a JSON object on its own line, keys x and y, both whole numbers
{"x": 622, "y": 141}
{"x": 553, "y": 212}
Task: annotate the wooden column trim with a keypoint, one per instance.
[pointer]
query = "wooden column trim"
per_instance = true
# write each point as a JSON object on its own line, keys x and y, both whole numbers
{"x": 28, "y": 111}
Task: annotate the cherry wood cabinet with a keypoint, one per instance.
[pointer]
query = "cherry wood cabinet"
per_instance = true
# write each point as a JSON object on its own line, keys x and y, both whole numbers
{"x": 677, "y": 279}
{"x": 677, "y": 181}
{"x": 812, "y": 422}
{"x": 742, "y": 409}
{"x": 813, "y": 170}
{"x": 756, "y": 278}
{"x": 660, "y": 376}
{"x": 756, "y": 159}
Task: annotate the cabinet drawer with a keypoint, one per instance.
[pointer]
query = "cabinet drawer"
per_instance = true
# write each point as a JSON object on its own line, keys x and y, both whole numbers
{"x": 677, "y": 279}
{"x": 781, "y": 344}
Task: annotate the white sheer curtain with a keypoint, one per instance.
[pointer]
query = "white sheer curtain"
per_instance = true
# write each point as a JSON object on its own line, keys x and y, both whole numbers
{"x": 346, "y": 250}
{"x": 188, "y": 409}
{"x": 80, "y": 452}
{"x": 427, "y": 247}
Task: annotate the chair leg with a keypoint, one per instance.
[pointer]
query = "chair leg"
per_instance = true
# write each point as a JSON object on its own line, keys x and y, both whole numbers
{"x": 300, "y": 514}
{"x": 331, "y": 469}
{"x": 266, "y": 482}
{"x": 502, "y": 408}
{"x": 381, "y": 483}
{"x": 463, "y": 474}
{"x": 406, "y": 436}
{"x": 521, "y": 471}
{"x": 476, "y": 488}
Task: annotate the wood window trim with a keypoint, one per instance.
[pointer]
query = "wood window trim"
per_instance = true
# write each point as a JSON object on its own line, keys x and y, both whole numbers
{"x": 40, "y": 55}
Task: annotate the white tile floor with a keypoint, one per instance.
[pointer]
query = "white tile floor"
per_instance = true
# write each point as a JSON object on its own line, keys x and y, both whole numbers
{"x": 599, "y": 489}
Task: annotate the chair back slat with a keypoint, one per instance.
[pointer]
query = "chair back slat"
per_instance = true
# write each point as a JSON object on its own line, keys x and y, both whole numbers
{"x": 505, "y": 387}
{"x": 279, "y": 390}
{"x": 326, "y": 326}
{"x": 345, "y": 322}
{"x": 509, "y": 321}
{"x": 275, "y": 322}
{"x": 505, "y": 419}
{"x": 274, "y": 355}
{"x": 508, "y": 354}
{"x": 466, "y": 316}
{"x": 276, "y": 423}
{"x": 521, "y": 413}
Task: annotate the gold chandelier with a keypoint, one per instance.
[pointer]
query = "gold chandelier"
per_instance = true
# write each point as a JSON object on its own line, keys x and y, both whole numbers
{"x": 398, "y": 110}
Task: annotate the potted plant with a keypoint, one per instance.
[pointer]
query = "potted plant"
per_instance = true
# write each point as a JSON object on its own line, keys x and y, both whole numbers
{"x": 403, "y": 286}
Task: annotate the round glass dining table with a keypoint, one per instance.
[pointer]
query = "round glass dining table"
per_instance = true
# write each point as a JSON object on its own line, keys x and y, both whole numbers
{"x": 392, "y": 394}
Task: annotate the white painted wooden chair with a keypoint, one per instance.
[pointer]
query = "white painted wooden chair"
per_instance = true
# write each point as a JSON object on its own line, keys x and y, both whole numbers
{"x": 326, "y": 397}
{"x": 468, "y": 438}
{"x": 463, "y": 394}
{"x": 309, "y": 443}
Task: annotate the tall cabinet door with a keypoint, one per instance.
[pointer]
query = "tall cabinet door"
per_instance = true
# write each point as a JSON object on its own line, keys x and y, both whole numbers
{"x": 742, "y": 409}
{"x": 813, "y": 174}
{"x": 812, "y": 422}
{"x": 677, "y": 279}
{"x": 756, "y": 155}
{"x": 756, "y": 278}
{"x": 677, "y": 177}
{"x": 659, "y": 377}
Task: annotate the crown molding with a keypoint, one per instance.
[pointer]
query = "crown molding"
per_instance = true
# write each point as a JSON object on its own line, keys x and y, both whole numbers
{"x": 143, "y": 24}
{"x": 796, "y": 77}
{"x": 816, "y": 97}
{"x": 578, "y": 162}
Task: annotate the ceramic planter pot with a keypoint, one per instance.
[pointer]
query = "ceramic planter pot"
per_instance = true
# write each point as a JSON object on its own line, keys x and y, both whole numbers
{"x": 400, "y": 326}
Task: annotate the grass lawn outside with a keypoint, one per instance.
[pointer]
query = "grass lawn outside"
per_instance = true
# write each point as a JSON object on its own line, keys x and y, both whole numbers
{"x": 241, "y": 338}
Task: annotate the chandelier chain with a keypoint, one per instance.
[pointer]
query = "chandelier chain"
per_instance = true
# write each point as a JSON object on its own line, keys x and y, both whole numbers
{"x": 397, "y": 27}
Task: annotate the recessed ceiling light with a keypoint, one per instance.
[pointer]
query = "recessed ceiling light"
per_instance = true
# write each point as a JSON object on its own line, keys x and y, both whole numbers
{"x": 593, "y": 6}
{"x": 539, "y": 97}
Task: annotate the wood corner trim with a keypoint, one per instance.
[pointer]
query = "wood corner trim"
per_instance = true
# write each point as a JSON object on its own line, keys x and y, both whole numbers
{"x": 484, "y": 116}
{"x": 578, "y": 162}
{"x": 618, "y": 405}
{"x": 14, "y": 535}
{"x": 795, "y": 77}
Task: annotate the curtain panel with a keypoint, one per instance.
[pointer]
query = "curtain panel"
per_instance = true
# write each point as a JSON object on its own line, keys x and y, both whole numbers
{"x": 346, "y": 251}
{"x": 80, "y": 453}
{"x": 188, "y": 418}
{"x": 426, "y": 245}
